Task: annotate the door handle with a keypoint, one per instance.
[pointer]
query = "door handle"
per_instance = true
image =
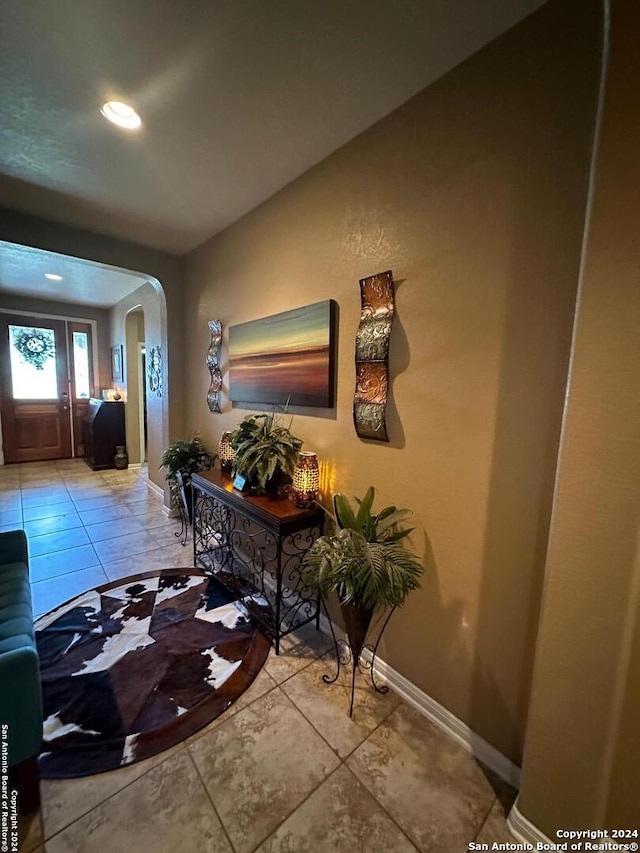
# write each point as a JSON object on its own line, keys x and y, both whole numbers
{"x": 65, "y": 402}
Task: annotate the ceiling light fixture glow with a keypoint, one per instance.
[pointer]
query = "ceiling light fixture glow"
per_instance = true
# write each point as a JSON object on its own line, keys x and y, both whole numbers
{"x": 52, "y": 276}
{"x": 121, "y": 114}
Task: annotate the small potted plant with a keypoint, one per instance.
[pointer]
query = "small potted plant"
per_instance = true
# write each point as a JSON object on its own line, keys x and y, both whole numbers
{"x": 363, "y": 561}
{"x": 181, "y": 459}
{"x": 266, "y": 451}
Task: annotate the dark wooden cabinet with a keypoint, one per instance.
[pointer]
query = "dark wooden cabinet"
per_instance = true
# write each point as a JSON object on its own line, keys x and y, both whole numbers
{"x": 255, "y": 545}
{"x": 104, "y": 430}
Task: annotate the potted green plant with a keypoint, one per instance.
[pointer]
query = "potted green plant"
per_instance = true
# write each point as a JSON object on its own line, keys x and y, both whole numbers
{"x": 363, "y": 561}
{"x": 181, "y": 459}
{"x": 266, "y": 451}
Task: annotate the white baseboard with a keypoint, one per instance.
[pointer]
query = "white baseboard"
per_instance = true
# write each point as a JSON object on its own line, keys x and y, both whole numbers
{"x": 439, "y": 715}
{"x": 448, "y": 722}
{"x": 157, "y": 490}
{"x": 522, "y": 828}
{"x": 527, "y": 832}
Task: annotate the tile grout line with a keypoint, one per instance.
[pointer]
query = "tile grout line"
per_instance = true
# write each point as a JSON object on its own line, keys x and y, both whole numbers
{"x": 64, "y": 574}
{"x": 36, "y": 844}
{"x": 196, "y": 736}
{"x": 46, "y": 837}
{"x": 91, "y": 543}
{"x": 383, "y": 808}
{"x": 301, "y": 803}
{"x": 120, "y": 501}
{"x": 209, "y": 797}
{"x": 364, "y": 784}
{"x": 485, "y": 818}
{"x": 374, "y": 729}
{"x": 343, "y": 762}
{"x": 299, "y": 806}
{"x": 303, "y": 715}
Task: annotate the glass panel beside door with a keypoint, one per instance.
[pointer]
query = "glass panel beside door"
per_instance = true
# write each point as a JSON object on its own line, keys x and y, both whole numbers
{"x": 81, "y": 370}
{"x": 81, "y": 366}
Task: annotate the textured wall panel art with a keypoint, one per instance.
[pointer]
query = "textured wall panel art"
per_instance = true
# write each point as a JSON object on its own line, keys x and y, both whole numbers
{"x": 213, "y": 364}
{"x": 372, "y": 356}
{"x": 289, "y": 356}
{"x": 154, "y": 370}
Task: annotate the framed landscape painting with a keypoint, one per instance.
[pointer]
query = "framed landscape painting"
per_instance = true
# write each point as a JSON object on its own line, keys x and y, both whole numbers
{"x": 288, "y": 356}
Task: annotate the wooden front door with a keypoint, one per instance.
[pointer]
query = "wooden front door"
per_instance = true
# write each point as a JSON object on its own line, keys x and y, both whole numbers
{"x": 34, "y": 389}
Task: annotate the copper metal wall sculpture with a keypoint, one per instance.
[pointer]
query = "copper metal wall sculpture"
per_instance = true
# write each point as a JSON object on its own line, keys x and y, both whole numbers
{"x": 213, "y": 363}
{"x": 372, "y": 356}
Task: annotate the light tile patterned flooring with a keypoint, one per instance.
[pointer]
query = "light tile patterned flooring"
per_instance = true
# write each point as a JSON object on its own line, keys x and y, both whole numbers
{"x": 284, "y": 770}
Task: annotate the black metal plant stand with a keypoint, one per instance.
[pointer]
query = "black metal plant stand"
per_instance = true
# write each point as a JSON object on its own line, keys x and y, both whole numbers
{"x": 180, "y": 500}
{"x": 183, "y": 495}
{"x": 345, "y": 655}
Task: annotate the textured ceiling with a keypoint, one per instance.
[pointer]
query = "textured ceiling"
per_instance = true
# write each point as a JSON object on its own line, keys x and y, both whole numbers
{"x": 237, "y": 99}
{"x": 22, "y": 270}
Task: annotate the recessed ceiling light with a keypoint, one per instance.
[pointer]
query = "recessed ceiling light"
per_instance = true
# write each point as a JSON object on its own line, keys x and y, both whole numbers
{"x": 121, "y": 114}
{"x": 52, "y": 276}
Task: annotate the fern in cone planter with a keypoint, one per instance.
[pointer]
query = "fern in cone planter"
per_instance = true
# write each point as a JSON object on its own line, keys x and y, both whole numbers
{"x": 266, "y": 451}
{"x": 363, "y": 562}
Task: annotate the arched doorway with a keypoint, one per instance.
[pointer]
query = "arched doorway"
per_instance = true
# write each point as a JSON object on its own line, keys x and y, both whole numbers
{"x": 113, "y": 292}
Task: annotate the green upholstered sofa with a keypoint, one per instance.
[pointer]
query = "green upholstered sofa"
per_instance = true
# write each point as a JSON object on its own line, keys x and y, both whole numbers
{"x": 20, "y": 691}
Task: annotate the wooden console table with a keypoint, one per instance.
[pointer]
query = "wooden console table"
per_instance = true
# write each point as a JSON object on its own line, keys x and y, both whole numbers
{"x": 255, "y": 545}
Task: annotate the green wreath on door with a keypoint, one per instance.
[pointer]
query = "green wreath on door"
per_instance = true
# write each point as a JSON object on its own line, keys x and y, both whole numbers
{"x": 35, "y": 347}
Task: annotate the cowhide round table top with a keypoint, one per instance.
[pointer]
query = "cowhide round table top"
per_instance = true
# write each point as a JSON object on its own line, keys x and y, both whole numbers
{"x": 135, "y": 666}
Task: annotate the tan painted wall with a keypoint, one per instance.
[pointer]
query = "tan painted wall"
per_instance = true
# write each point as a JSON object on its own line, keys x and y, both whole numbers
{"x": 582, "y": 748}
{"x": 623, "y": 797}
{"x": 17, "y": 302}
{"x": 473, "y": 193}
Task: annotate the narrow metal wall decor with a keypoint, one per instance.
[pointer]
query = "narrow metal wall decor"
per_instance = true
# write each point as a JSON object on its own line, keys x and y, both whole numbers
{"x": 372, "y": 356}
{"x": 213, "y": 364}
{"x": 154, "y": 371}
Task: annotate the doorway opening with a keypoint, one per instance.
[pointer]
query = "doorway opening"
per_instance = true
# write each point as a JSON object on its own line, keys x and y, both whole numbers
{"x": 46, "y": 381}
{"x": 142, "y": 391}
{"x": 40, "y": 283}
{"x": 136, "y": 417}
